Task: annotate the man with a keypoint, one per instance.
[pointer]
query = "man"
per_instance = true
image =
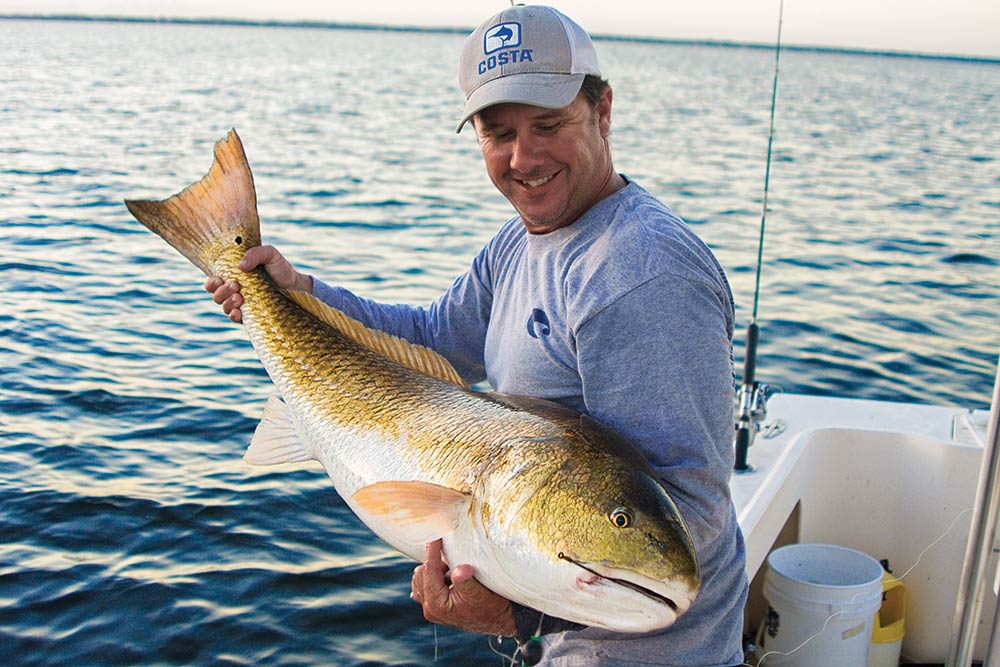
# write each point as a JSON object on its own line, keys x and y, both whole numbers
{"x": 596, "y": 296}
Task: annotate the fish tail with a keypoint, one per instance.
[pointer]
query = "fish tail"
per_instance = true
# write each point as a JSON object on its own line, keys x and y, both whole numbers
{"x": 212, "y": 219}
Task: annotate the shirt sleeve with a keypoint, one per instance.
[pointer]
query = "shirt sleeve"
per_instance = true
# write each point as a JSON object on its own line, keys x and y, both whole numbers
{"x": 454, "y": 325}
{"x": 656, "y": 365}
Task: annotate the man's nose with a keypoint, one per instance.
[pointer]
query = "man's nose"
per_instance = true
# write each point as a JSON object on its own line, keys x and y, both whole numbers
{"x": 526, "y": 153}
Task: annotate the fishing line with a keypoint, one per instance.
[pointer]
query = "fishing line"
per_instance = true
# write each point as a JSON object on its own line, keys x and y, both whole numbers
{"x": 760, "y": 660}
{"x": 504, "y": 658}
{"x": 760, "y": 630}
{"x": 767, "y": 167}
{"x": 948, "y": 530}
{"x": 531, "y": 650}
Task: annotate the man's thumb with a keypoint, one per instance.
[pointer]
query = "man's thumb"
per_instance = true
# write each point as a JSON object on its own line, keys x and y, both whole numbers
{"x": 461, "y": 574}
{"x": 256, "y": 256}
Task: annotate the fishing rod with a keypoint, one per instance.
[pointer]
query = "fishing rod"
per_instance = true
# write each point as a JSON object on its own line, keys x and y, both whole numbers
{"x": 753, "y": 395}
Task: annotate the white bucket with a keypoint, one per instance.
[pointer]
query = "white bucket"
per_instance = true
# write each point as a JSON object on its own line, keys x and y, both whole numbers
{"x": 822, "y": 600}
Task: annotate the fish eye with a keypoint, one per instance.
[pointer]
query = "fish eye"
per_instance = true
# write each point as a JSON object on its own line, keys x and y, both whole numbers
{"x": 621, "y": 517}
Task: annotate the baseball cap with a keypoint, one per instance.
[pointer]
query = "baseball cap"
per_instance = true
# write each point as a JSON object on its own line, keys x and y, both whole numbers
{"x": 529, "y": 54}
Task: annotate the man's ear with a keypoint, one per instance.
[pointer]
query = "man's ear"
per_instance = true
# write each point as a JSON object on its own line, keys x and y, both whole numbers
{"x": 603, "y": 111}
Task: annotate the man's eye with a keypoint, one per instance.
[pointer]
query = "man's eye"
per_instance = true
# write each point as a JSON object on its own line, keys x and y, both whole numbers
{"x": 548, "y": 129}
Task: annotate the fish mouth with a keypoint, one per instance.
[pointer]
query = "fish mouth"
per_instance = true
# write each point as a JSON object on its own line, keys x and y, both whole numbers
{"x": 644, "y": 591}
{"x": 666, "y": 595}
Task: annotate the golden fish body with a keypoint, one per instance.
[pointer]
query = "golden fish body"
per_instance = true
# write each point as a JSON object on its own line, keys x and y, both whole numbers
{"x": 553, "y": 510}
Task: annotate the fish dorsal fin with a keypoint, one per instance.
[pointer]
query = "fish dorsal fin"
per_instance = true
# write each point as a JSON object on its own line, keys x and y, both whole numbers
{"x": 420, "y": 511}
{"x": 405, "y": 353}
{"x": 275, "y": 440}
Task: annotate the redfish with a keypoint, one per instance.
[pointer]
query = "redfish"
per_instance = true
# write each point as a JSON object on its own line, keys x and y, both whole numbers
{"x": 554, "y": 510}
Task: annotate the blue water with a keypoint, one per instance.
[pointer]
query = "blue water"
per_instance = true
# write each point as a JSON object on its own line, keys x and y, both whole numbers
{"x": 130, "y": 530}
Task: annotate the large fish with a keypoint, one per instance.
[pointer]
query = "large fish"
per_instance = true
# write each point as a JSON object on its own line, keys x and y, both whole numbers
{"x": 553, "y": 510}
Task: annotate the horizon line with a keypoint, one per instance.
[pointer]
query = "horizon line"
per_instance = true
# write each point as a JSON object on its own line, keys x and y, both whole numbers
{"x": 336, "y": 25}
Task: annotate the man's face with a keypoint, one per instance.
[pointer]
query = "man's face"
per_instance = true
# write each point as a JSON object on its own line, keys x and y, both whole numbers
{"x": 551, "y": 164}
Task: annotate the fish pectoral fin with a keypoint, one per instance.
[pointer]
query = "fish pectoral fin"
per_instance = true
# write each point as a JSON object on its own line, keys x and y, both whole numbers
{"x": 422, "y": 512}
{"x": 403, "y": 352}
{"x": 275, "y": 440}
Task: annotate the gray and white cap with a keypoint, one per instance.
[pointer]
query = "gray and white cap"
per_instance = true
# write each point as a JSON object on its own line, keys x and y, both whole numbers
{"x": 527, "y": 54}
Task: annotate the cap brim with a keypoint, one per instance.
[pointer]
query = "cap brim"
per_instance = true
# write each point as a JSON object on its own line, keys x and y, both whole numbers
{"x": 550, "y": 91}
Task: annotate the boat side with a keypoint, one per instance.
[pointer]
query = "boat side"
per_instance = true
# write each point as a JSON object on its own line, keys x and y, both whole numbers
{"x": 887, "y": 479}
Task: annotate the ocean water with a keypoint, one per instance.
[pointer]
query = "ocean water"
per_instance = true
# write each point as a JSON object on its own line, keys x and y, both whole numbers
{"x": 131, "y": 533}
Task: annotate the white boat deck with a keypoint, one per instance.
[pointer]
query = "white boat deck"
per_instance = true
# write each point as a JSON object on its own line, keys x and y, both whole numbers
{"x": 887, "y": 479}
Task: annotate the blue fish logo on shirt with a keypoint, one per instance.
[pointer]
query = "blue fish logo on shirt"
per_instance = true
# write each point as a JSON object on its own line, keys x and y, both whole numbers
{"x": 538, "y": 323}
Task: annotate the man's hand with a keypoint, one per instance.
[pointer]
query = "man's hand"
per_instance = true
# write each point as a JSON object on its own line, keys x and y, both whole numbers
{"x": 284, "y": 275}
{"x": 455, "y": 598}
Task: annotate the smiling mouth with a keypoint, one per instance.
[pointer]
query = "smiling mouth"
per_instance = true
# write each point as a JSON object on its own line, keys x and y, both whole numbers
{"x": 537, "y": 182}
{"x": 623, "y": 582}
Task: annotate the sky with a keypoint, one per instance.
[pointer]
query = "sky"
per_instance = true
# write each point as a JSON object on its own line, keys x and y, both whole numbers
{"x": 949, "y": 27}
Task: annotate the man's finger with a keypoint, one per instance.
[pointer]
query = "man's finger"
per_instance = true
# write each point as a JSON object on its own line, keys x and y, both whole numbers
{"x": 213, "y": 283}
{"x": 224, "y": 291}
{"x": 415, "y": 583}
{"x": 234, "y": 301}
{"x": 435, "y": 582}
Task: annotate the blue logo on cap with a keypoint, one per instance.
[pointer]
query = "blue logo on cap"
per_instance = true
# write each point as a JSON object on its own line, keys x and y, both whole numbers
{"x": 502, "y": 36}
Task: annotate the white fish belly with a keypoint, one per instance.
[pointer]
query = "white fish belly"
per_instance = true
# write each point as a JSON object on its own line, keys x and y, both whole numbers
{"x": 357, "y": 457}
